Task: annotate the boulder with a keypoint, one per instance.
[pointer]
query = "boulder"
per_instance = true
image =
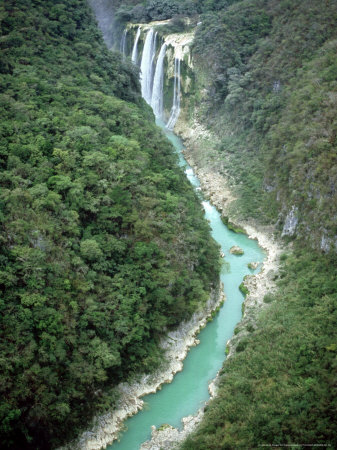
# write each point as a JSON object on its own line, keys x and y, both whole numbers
{"x": 236, "y": 250}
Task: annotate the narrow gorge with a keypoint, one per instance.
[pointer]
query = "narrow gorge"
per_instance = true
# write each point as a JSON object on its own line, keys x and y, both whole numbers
{"x": 168, "y": 205}
{"x": 233, "y": 183}
{"x": 173, "y": 410}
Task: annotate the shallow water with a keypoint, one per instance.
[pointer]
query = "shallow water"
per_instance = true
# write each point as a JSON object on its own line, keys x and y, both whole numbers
{"x": 189, "y": 388}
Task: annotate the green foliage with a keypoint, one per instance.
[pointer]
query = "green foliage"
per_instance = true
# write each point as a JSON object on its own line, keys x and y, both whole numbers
{"x": 244, "y": 289}
{"x": 90, "y": 250}
{"x": 250, "y": 328}
{"x": 271, "y": 76}
{"x": 151, "y": 10}
{"x": 103, "y": 243}
{"x": 232, "y": 226}
{"x": 268, "y": 298}
{"x": 241, "y": 345}
{"x": 302, "y": 145}
{"x": 280, "y": 387}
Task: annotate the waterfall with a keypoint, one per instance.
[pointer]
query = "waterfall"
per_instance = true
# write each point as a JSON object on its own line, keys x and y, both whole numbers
{"x": 176, "y": 96}
{"x": 146, "y": 67}
{"x": 157, "y": 91}
{"x": 154, "y": 49}
{"x": 152, "y": 86}
{"x": 134, "y": 55}
{"x": 122, "y": 46}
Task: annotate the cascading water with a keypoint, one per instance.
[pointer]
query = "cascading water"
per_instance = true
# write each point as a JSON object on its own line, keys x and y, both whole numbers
{"x": 134, "y": 55}
{"x": 154, "y": 50}
{"x": 175, "y": 111}
{"x": 157, "y": 91}
{"x": 122, "y": 47}
{"x": 152, "y": 87}
{"x": 146, "y": 67}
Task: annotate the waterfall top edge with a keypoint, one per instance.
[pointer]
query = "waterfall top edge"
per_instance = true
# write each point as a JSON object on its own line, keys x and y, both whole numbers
{"x": 176, "y": 40}
{"x": 147, "y": 26}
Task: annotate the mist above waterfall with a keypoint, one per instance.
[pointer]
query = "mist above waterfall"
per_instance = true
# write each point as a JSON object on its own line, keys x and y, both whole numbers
{"x": 157, "y": 91}
{"x": 175, "y": 111}
{"x": 104, "y": 12}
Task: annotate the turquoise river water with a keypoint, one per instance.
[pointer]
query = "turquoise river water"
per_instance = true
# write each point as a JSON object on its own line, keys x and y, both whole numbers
{"x": 189, "y": 388}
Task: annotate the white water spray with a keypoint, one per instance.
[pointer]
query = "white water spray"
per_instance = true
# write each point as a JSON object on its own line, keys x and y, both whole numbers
{"x": 157, "y": 91}
{"x": 154, "y": 49}
{"x": 122, "y": 46}
{"x": 134, "y": 55}
{"x": 146, "y": 67}
{"x": 175, "y": 111}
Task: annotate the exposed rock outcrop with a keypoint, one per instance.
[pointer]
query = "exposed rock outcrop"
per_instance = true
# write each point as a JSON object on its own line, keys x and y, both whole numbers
{"x": 253, "y": 265}
{"x": 290, "y": 223}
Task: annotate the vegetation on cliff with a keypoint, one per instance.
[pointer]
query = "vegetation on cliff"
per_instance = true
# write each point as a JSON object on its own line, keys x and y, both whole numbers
{"x": 151, "y": 10}
{"x": 103, "y": 243}
{"x": 269, "y": 69}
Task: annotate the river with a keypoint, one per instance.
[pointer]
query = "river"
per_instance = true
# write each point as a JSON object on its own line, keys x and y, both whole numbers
{"x": 189, "y": 389}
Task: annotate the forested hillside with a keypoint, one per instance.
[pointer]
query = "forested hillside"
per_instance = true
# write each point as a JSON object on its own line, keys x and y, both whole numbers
{"x": 103, "y": 243}
{"x": 279, "y": 389}
{"x": 269, "y": 69}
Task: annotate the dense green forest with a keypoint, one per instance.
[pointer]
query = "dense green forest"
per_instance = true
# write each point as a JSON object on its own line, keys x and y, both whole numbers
{"x": 280, "y": 388}
{"x": 103, "y": 242}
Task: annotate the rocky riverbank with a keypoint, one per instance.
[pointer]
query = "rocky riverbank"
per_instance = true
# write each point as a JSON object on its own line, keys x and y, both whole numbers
{"x": 215, "y": 188}
{"x": 107, "y": 427}
{"x": 168, "y": 437}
